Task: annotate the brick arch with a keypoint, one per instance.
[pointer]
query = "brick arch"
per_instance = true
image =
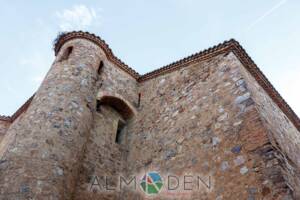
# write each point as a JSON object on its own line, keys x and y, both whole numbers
{"x": 115, "y": 100}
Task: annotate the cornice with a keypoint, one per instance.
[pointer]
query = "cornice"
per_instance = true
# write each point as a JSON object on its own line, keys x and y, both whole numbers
{"x": 64, "y": 37}
{"x": 22, "y": 109}
{"x": 225, "y": 47}
{"x": 200, "y": 56}
{"x": 262, "y": 80}
{"x": 5, "y": 118}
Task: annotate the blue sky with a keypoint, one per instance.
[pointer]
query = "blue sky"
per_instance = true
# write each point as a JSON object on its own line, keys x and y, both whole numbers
{"x": 147, "y": 35}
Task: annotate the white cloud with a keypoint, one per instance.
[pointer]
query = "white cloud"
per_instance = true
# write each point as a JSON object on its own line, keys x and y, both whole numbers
{"x": 78, "y": 17}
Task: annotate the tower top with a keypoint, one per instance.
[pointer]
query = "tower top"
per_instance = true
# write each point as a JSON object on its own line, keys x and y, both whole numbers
{"x": 64, "y": 37}
{"x": 222, "y": 48}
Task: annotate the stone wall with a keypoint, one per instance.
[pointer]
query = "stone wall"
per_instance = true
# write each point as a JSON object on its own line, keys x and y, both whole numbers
{"x": 283, "y": 135}
{"x": 42, "y": 159}
{"x": 6, "y": 139}
{"x": 209, "y": 119}
{"x": 117, "y": 82}
{"x": 3, "y": 128}
{"x": 200, "y": 119}
{"x": 103, "y": 158}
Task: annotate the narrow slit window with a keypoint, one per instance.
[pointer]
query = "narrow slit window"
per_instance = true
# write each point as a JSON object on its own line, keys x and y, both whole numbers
{"x": 100, "y": 67}
{"x": 139, "y": 100}
{"x": 98, "y": 106}
{"x": 120, "y": 132}
{"x": 66, "y": 54}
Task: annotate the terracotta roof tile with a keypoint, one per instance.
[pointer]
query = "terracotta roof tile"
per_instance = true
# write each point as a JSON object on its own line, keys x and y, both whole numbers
{"x": 225, "y": 47}
{"x": 64, "y": 37}
{"x": 5, "y": 118}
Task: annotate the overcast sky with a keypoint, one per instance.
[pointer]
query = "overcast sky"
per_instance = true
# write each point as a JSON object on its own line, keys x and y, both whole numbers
{"x": 147, "y": 35}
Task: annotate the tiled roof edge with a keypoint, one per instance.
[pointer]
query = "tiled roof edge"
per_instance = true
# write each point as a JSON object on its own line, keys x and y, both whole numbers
{"x": 18, "y": 112}
{"x": 262, "y": 80}
{"x": 22, "y": 109}
{"x": 5, "y": 118}
{"x": 202, "y": 55}
{"x": 64, "y": 37}
{"x": 225, "y": 47}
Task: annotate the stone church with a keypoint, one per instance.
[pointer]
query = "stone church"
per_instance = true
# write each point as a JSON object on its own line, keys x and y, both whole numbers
{"x": 95, "y": 128}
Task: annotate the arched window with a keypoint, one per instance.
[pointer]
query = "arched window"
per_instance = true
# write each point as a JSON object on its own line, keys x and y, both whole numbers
{"x": 118, "y": 104}
{"x": 66, "y": 54}
{"x": 124, "y": 111}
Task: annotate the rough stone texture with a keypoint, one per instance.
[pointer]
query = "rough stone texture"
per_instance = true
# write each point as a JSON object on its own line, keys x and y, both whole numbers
{"x": 118, "y": 83}
{"x": 207, "y": 106}
{"x": 208, "y": 118}
{"x": 283, "y": 136}
{"x": 103, "y": 156}
{"x": 4, "y": 125}
{"x": 41, "y": 161}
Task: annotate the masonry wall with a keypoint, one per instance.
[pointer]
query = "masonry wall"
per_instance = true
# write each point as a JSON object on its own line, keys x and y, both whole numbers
{"x": 209, "y": 119}
{"x": 283, "y": 135}
{"x": 103, "y": 160}
{"x": 3, "y": 128}
{"x": 41, "y": 161}
{"x": 117, "y": 82}
{"x": 202, "y": 119}
{"x": 7, "y": 138}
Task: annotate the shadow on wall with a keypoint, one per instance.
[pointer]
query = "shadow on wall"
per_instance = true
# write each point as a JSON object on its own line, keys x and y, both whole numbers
{"x": 122, "y": 107}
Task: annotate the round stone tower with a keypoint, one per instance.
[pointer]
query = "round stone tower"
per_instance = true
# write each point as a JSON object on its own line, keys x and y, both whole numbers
{"x": 46, "y": 144}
